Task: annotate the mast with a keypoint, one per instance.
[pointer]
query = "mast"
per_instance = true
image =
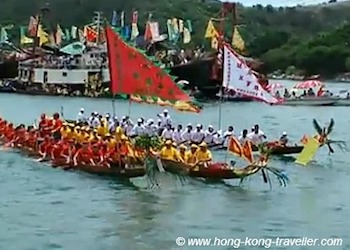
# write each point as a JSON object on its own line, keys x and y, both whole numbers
{"x": 98, "y": 22}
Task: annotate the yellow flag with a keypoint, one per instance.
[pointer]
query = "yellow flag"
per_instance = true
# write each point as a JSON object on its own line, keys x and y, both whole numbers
{"x": 187, "y": 36}
{"x": 309, "y": 152}
{"x": 214, "y": 43}
{"x": 43, "y": 36}
{"x": 210, "y": 31}
{"x": 237, "y": 40}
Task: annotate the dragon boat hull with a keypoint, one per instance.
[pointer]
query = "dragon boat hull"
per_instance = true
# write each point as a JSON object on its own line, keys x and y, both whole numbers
{"x": 283, "y": 150}
{"x": 213, "y": 171}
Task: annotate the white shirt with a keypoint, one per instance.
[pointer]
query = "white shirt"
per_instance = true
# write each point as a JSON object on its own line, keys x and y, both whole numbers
{"x": 218, "y": 139}
{"x": 165, "y": 120}
{"x": 209, "y": 136}
{"x": 242, "y": 140}
{"x": 138, "y": 129}
{"x": 151, "y": 129}
{"x": 177, "y": 136}
{"x": 187, "y": 135}
{"x": 197, "y": 136}
{"x": 167, "y": 134}
{"x": 129, "y": 129}
{"x": 95, "y": 122}
{"x": 81, "y": 117}
{"x": 256, "y": 138}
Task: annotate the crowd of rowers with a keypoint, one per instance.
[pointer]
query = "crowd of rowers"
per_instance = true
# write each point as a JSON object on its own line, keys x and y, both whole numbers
{"x": 107, "y": 141}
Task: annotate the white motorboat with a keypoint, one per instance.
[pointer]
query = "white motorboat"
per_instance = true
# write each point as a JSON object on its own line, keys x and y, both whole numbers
{"x": 343, "y": 102}
{"x": 310, "y": 101}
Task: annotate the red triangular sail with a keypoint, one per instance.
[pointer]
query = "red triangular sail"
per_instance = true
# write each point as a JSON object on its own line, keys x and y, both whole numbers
{"x": 133, "y": 74}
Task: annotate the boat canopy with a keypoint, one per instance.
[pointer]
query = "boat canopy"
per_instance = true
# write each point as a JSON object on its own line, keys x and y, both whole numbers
{"x": 76, "y": 48}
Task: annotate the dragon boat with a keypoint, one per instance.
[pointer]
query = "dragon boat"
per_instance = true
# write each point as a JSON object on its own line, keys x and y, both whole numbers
{"x": 221, "y": 171}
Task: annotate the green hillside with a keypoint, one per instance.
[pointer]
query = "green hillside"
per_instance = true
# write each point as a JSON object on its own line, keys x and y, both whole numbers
{"x": 305, "y": 37}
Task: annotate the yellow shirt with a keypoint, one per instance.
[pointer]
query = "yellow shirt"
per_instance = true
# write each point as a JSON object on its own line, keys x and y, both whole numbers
{"x": 102, "y": 130}
{"x": 168, "y": 153}
{"x": 64, "y": 132}
{"x": 203, "y": 155}
{"x": 191, "y": 158}
{"x": 182, "y": 157}
{"x": 81, "y": 137}
{"x": 111, "y": 143}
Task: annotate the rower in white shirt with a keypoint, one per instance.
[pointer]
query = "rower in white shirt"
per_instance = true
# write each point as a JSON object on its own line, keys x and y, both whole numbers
{"x": 139, "y": 128}
{"x": 151, "y": 128}
{"x": 187, "y": 134}
{"x": 257, "y": 136}
{"x": 95, "y": 121}
{"x": 209, "y": 135}
{"x": 243, "y": 136}
{"x": 128, "y": 127}
{"x": 198, "y": 135}
{"x": 228, "y": 134}
{"x": 177, "y": 135}
{"x": 167, "y": 133}
{"x": 165, "y": 118}
{"x": 218, "y": 138}
{"x": 81, "y": 118}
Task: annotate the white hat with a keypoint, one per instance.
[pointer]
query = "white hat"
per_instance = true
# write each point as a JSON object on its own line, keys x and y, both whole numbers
{"x": 284, "y": 133}
{"x": 219, "y": 132}
{"x": 159, "y": 120}
{"x": 189, "y": 125}
{"x": 115, "y": 117}
{"x": 95, "y": 113}
{"x": 139, "y": 120}
{"x": 210, "y": 126}
{"x": 82, "y": 109}
{"x": 150, "y": 121}
{"x": 198, "y": 125}
{"x": 124, "y": 117}
{"x": 107, "y": 115}
{"x": 165, "y": 111}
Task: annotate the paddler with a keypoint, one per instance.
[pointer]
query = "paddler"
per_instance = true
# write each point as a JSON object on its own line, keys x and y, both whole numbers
{"x": 182, "y": 157}
{"x": 243, "y": 137}
{"x": 56, "y": 126}
{"x": 256, "y": 136}
{"x": 204, "y": 155}
{"x": 283, "y": 139}
{"x": 168, "y": 152}
{"x": 198, "y": 135}
{"x": 97, "y": 157}
{"x": 83, "y": 155}
{"x": 191, "y": 155}
{"x": 45, "y": 148}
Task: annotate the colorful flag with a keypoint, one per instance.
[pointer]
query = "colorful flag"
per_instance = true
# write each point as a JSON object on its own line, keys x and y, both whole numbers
{"x": 171, "y": 33}
{"x": 237, "y": 41}
{"x": 122, "y": 17}
{"x": 90, "y": 34}
{"x": 81, "y": 36}
{"x": 23, "y": 38}
{"x": 43, "y": 36}
{"x": 181, "y": 25}
{"x": 114, "y": 18}
{"x": 189, "y": 25}
{"x": 134, "y": 29}
{"x": 68, "y": 34}
{"x": 214, "y": 43}
{"x": 74, "y": 32}
{"x": 239, "y": 77}
{"x": 33, "y": 26}
{"x": 59, "y": 35}
{"x": 132, "y": 73}
{"x": 234, "y": 146}
{"x": 186, "y": 35}
{"x": 308, "y": 153}
{"x": 211, "y": 32}
{"x": 247, "y": 152}
{"x": 3, "y": 35}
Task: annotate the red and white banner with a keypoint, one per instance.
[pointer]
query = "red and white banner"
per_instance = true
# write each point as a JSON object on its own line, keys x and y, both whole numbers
{"x": 240, "y": 78}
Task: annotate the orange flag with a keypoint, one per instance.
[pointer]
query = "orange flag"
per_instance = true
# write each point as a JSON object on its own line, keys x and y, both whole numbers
{"x": 234, "y": 147}
{"x": 247, "y": 152}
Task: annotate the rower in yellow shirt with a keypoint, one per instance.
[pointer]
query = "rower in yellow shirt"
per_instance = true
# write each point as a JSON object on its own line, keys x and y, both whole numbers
{"x": 64, "y": 130}
{"x": 118, "y": 133}
{"x": 204, "y": 155}
{"x": 111, "y": 142}
{"x": 168, "y": 152}
{"x": 182, "y": 153}
{"x": 102, "y": 130}
{"x": 191, "y": 155}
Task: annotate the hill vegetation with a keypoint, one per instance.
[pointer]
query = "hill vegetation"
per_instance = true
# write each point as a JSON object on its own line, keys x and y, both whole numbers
{"x": 309, "y": 40}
